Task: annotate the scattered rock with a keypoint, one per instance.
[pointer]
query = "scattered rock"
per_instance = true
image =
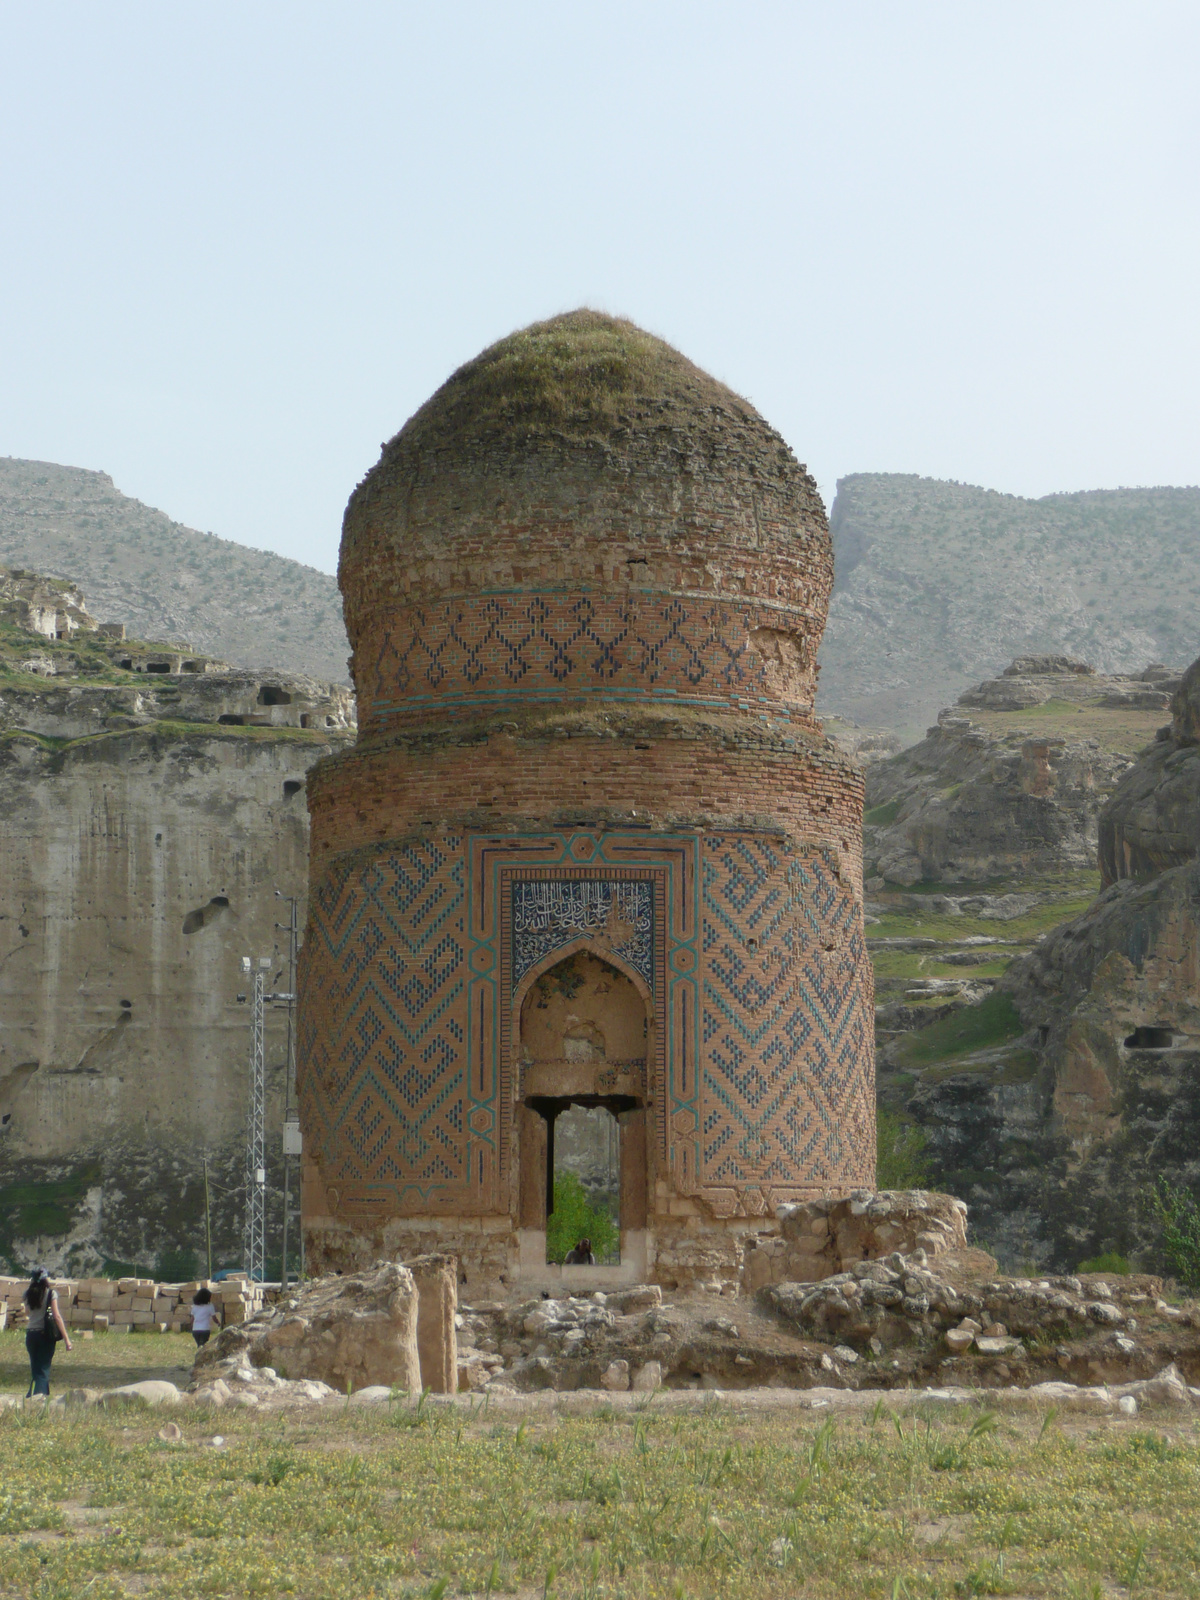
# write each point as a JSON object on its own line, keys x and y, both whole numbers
{"x": 647, "y": 1377}
{"x": 151, "y": 1392}
{"x": 347, "y": 1332}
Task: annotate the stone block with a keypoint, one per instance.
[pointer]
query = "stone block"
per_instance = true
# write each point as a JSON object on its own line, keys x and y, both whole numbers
{"x": 436, "y": 1279}
{"x": 151, "y": 1392}
{"x": 638, "y": 1297}
{"x": 100, "y": 1322}
{"x": 354, "y": 1330}
{"x": 997, "y": 1346}
{"x": 648, "y": 1377}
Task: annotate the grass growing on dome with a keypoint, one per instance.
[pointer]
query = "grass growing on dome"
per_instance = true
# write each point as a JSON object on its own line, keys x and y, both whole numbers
{"x": 583, "y": 372}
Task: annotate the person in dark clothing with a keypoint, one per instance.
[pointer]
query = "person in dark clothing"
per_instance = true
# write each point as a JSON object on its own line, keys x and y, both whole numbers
{"x": 41, "y": 1317}
{"x": 580, "y": 1255}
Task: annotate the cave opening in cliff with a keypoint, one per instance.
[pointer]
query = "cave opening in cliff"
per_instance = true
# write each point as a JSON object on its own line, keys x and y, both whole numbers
{"x": 203, "y": 915}
{"x": 1150, "y": 1038}
{"x": 272, "y": 695}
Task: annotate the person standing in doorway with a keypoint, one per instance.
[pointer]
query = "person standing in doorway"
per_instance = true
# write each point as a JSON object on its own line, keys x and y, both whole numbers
{"x": 44, "y": 1327}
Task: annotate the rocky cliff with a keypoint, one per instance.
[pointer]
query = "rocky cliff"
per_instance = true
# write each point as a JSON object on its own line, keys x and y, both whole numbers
{"x": 151, "y": 805}
{"x": 1013, "y": 778}
{"x": 1093, "y": 1090}
{"x": 167, "y": 580}
{"x": 939, "y": 584}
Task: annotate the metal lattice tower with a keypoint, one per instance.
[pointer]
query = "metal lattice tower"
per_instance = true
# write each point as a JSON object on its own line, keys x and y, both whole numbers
{"x": 254, "y": 1238}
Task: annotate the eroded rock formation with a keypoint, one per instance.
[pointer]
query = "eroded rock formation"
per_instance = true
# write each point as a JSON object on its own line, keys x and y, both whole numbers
{"x": 151, "y": 803}
{"x": 977, "y": 799}
{"x": 1111, "y": 1005}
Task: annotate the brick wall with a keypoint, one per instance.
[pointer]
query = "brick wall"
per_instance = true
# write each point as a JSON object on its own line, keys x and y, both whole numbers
{"x": 585, "y": 651}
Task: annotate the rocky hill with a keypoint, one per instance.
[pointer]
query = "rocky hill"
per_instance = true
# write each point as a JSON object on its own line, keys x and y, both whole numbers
{"x": 168, "y": 581}
{"x": 1112, "y": 1002}
{"x": 1046, "y": 1037}
{"x": 940, "y": 584}
{"x": 151, "y": 803}
{"x": 1012, "y": 778}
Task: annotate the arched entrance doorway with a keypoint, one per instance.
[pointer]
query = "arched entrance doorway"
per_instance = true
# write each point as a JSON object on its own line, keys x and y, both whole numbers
{"x": 584, "y": 1037}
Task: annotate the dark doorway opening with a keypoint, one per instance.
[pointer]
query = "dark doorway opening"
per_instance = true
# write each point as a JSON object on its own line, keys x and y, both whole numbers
{"x": 1146, "y": 1038}
{"x": 583, "y": 1189}
{"x": 584, "y": 1039}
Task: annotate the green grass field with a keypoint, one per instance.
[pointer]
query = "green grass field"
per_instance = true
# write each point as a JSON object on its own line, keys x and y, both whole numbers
{"x": 714, "y": 1501}
{"x": 104, "y": 1361}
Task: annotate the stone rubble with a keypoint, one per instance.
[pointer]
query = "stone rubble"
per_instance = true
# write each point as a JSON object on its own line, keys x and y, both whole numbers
{"x": 821, "y": 1238}
{"x": 342, "y": 1332}
{"x": 263, "y": 1389}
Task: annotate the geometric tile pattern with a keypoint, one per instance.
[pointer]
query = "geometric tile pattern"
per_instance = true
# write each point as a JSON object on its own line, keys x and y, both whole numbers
{"x": 382, "y": 1028}
{"x": 749, "y": 951}
{"x": 785, "y": 1023}
{"x": 493, "y": 648}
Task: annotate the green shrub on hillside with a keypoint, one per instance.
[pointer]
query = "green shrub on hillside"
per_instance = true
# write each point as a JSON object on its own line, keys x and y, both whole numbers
{"x": 992, "y": 1022}
{"x": 1110, "y": 1262}
{"x": 899, "y": 1152}
{"x": 1180, "y": 1218}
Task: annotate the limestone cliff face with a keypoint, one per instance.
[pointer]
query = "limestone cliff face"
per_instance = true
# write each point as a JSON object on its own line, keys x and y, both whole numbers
{"x": 1112, "y": 1002}
{"x": 135, "y": 871}
{"x": 150, "y": 807}
{"x": 1152, "y": 822}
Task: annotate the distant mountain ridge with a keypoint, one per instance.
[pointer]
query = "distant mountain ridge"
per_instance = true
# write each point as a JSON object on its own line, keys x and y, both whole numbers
{"x": 167, "y": 581}
{"x": 940, "y": 585}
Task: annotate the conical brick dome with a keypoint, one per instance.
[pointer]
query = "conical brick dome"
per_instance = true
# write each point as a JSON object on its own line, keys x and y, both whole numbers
{"x": 592, "y": 852}
{"x": 586, "y": 459}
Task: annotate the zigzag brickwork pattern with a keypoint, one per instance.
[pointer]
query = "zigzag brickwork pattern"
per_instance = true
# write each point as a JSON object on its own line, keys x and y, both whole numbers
{"x": 468, "y": 654}
{"x": 784, "y": 1098}
{"x": 752, "y": 954}
{"x": 384, "y": 1094}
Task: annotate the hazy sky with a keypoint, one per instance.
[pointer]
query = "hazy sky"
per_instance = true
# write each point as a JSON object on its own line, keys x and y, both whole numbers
{"x": 240, "y": 244}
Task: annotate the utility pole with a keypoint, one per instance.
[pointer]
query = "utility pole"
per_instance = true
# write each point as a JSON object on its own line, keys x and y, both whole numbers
{"x": 207, "y": 1223}
{"x": 291, "y": 1125}
{"x": 254, "y": 1238}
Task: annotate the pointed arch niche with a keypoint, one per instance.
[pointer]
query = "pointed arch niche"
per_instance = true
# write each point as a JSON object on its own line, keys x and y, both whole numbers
{"x": 584, "y": 1030}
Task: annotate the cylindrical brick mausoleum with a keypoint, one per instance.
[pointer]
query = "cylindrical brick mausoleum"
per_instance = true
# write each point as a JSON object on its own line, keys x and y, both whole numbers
{"x": 592, "y": 849}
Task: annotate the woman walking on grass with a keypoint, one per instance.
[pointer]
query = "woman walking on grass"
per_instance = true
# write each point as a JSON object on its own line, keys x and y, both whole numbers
{"x": 44, "y": 1327}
